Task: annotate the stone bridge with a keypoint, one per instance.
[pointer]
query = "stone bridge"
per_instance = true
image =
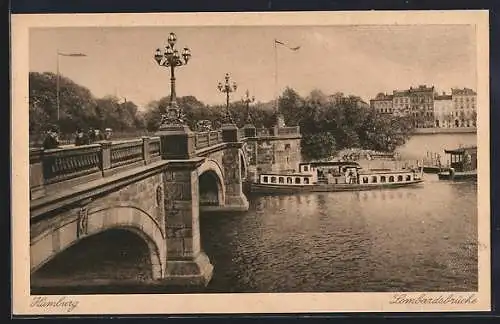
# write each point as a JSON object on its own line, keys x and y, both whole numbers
{"x": 154, "y": 187}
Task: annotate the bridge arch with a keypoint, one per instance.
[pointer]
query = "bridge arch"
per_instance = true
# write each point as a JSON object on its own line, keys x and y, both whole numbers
{"x": 212, "y": 189}
{"x": 243, "y": 163}
{"x": 46, "y": 246}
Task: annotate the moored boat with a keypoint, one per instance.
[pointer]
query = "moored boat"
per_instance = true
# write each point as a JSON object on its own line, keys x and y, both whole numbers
{"x": 463, "y": 164}
{"x": 334, "y": 176}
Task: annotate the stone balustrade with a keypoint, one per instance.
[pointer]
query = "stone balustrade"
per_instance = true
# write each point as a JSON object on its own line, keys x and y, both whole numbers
{"x": 207, "y": 139}
{"x": 125, "y": 153}
{"x": 77, "y": 164}
{"x": 294, "y": 130}
{"x": 263, "y": 132}
{"x": 278, "y": 131}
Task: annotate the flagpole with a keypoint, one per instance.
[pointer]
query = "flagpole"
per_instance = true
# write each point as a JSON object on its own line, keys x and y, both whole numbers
{"x": 275, "y": 76}
{"x": 57, "y": 85}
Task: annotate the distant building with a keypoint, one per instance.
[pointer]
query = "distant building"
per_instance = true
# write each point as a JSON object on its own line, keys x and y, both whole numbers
{"x": 401, "y": 102}
{"x": 443, "y": 111}
{"x": 428, "y": 108}
{"x": 382, "y": 103}
{"x": 339, "y": 98}
{"x": 464, "y": 106}
{"x": 422, "y": 105}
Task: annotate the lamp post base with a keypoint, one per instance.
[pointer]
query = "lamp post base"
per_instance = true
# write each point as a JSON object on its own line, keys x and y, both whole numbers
{"x": 173, "y": 129}
{"x": 177, "y": 141}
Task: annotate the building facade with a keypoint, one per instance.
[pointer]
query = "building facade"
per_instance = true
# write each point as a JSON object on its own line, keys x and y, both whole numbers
{"x": 382, "y": 103}
{"x": 443, "y": 111}
{"x": 428, "y": 108}
{"x": 401, "y": 102}
{"x": 422, "y": 106}
{"x": 465, "y": 107}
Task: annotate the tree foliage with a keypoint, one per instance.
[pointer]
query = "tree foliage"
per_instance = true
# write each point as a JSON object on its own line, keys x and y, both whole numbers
{"x": 77, "y": 107}
{"x": 328, "y": 123}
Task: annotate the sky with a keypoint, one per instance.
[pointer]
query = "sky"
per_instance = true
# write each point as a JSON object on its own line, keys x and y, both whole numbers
{"x": 359, "y": 60}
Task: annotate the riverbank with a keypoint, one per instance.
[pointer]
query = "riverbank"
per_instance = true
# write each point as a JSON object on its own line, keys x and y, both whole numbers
{"x": 435, "y": 130}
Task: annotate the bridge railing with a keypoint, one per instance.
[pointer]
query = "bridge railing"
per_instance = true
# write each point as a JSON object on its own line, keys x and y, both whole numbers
{"x": 278, "y": 131}
{"x": 62, "y": 164}
{"x": 78, "y": 164}
{"x": 207, "y": 139}
{"x": 66, "y": 166}
{"x": 293, "y": 130}
{"x": 241, "y": 133}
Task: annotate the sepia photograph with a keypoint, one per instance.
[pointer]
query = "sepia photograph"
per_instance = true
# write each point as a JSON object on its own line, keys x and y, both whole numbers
{"x": 183, "y": 163}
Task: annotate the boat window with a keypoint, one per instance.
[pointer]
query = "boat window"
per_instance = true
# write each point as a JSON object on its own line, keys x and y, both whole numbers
{"x": 306, "y": 180}
{"x": 273, "y": 179}
{"x": 408, "y": 178}
{"x": 374, "y": 179}
{"x": 306, "y": 168}
{"x": 365, "y": 179}
{"x": 297, "y": 180}
{"x": 281, "y": 180}
{"x": 382, "y": 179}
{"x": 289, "y": 180}
{"x": 391, "y": 179}
{"x": 400, "y": 178}
{"x": 265, "y": 179}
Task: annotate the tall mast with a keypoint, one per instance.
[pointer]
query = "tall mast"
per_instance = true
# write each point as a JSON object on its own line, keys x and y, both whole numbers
{"x": 275, "y": 77}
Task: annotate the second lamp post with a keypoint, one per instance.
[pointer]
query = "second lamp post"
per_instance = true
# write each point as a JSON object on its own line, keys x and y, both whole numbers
{"x": 227, "y": 88}
{"x": 248, "y": 100}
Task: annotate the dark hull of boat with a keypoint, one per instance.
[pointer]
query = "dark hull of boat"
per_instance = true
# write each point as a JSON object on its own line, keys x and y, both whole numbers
{"x": 280, "y": 189}
{"x": 432, "y": 169}
{"x": 457, "y": 176}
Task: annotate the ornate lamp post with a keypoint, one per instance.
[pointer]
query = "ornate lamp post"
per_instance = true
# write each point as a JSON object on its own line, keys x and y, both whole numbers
{"x": 248, "y": 100}
{"x": 227, "y": 88}
{"x": 171, "y": 58}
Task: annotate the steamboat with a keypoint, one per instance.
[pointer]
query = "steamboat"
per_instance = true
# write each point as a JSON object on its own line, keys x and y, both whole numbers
{"x": 333, "y": 176}
{"x": 462, "y": 164}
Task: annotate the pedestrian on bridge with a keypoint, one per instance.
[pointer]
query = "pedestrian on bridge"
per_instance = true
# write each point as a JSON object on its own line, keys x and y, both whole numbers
{"x": 107, "y": 134}
{"x": 91, "y": 135}
{"x": 81, "y": 138}
{"x": 51, "y": 140}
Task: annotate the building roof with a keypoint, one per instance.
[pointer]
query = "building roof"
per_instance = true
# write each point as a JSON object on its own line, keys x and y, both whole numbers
{"x": 462, "y": 92}
{"x": 401, "y": 93}
{"x": 333, "y": 163}
{"x": 462, "y": 150}
{"x": 382, "y": 97}
{"x": 422, "y": 88}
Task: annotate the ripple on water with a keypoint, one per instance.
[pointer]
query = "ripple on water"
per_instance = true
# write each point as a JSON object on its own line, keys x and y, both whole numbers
{"x": 407, "y": 239}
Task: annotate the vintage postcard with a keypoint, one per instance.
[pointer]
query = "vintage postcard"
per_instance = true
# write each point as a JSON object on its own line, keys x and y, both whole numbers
{"x": 250, "y": 162}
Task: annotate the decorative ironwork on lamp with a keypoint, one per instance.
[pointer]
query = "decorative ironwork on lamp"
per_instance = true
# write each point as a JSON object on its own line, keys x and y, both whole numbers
{"x": 227, "y": 88}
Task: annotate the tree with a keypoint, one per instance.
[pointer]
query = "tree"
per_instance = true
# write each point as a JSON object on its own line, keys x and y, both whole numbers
{"x": 291, "y": 106}
{"x": 76, "y": 103}
{"x": 77, "y": 108}
{"x": 318, "y": 146}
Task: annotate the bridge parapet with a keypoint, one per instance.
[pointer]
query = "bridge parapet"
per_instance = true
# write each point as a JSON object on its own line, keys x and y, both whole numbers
{"x": 278, "y": 132}
{"x": 56, "y": 169}
{"x": 207, "y": 139}
{"x": 60, "y": 168}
